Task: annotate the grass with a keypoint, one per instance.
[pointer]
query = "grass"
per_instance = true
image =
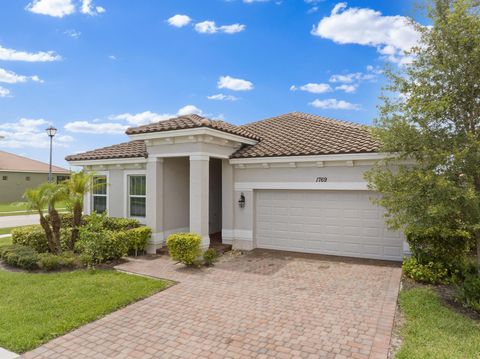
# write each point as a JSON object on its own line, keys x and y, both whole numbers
{"x": 20, "y": 208}
{"x": 433, "y": 330}
{"x": 5, "y": 241}
{"x": 35, "y": 308}
{"x": 6, "y": 230}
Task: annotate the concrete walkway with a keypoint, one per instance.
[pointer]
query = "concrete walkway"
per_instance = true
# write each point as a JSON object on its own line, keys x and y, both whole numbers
{"x": 263, "y": 304}
{"x": 5, "y": 354}
{"x": 21, "y": 220}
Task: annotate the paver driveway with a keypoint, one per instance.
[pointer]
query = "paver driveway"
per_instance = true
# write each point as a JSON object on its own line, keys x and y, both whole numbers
{"x": 260, "y": 305}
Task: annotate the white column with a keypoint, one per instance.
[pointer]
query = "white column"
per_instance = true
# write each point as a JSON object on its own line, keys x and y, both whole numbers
{"x": 199, "y": 181}
{"x": 154, "y": 190}
{"x": 227, "y": 202}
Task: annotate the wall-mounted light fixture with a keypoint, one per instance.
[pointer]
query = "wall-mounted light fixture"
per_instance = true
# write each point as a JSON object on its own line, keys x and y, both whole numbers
{"x": 241, "y": 201}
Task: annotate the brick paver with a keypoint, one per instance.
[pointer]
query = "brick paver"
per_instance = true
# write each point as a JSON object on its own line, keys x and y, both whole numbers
{"x": 260, "y": 305}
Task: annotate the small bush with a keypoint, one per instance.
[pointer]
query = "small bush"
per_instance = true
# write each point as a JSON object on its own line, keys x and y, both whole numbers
{"x": 469, "y": 292}
{"x": 34, "y": 237}
{"x": 137, "y": 239}
{"x": 433, "y": 273}
{"x": 19, "y": 256}
{"x": 97, "y": 245}
{"x": 119, "y": 224}
{"x": 49, "y": 261}
{"x": 184, "y": 247}
{"x": 210, "y": 256}
{"x": 31, "y": 236}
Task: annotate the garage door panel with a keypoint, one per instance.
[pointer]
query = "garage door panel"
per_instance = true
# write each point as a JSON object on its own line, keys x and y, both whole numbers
{"x": 329, "y": 222}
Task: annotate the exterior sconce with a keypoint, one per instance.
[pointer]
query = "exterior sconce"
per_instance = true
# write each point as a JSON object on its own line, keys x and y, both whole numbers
{"x": 241, "y": 201}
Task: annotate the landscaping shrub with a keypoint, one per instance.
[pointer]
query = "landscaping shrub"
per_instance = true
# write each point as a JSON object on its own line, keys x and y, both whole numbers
{"x": 19, "y": 256}
{"x": 31, "y": 236}
{"x": 49, "y": 261}
{"x": 34, "y": 237}
{"x": 432, "y": 272}
{"x": 97, "y": 245}
{"x": 469, "y": 291}
{"x": 447, "y": 247}
{"x": 137, "y": 239}
{"x": 184, "y": 247}
{"x": 119, "y": 224}
{"x": 66, "y": 219}
{"x": 210, "y": 256}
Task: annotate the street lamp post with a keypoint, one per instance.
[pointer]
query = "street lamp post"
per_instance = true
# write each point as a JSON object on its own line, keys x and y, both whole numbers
{"x": 51, "y": 131}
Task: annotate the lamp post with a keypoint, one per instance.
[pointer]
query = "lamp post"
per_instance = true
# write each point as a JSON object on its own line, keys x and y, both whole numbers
{"x": 51, "y": 131}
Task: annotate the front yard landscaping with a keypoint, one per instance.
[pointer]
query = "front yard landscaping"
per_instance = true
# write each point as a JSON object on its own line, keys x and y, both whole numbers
{"x": 5, "y": 241}
{"x": 35, "y": 308}
{"x": 434, "y": 330}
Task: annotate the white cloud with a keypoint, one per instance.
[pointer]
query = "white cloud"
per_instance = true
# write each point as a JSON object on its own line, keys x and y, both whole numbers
{"x": 14, "y": 55}
{"x": 112, "y": 57}
{"x": 11, "y": 77}
{"x": 391, "y": 35}
{"x": 30, "y": 133}
{"x": 73, "y": 33}
{"x": 56, "y": 8}
{"x": 89, "y": 9}
{"x": 334, "y": 104}
{"x": 179, "y": 20}
{"x": 347, "y": 88}
{"x": 4, "y": 92}
{"x": 209, "y": 27}
{"x": 231, "y": 83}
{"x": 222, "y": 97}
{"x": 98, "y": 126}
{"x": 313, "y": 88}
{"x": 189, "y": 110}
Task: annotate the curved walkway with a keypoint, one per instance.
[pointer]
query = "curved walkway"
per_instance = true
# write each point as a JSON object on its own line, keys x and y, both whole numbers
{"x": 260, "y": 305}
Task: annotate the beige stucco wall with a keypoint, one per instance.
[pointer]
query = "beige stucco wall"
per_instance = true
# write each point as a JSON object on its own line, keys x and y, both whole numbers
{"x": 13, "y": 188}
{"x": 176, "y": 194}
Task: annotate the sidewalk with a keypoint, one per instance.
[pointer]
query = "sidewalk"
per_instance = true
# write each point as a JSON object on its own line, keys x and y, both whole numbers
{"x": 5, "y": 354}
{"x": 20, "y": 220}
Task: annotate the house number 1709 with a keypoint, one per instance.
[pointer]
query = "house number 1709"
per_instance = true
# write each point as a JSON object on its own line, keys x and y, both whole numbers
{"x": 321, "y": 179}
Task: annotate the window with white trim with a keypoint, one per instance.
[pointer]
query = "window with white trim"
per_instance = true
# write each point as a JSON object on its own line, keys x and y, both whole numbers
{"x": 99, "y": 194}
{"x": 137, "y": 196}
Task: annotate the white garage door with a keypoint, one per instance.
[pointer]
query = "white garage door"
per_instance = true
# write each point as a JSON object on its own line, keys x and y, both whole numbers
{"x": 342, "y": 223}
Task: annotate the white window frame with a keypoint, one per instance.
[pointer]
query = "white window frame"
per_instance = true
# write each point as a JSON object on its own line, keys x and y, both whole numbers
{"x": 126, "y": 191}
{"x": 106, "y": 175}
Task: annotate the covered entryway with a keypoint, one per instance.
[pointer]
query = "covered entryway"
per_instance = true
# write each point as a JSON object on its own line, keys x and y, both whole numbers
{"x": 333, "y": 222}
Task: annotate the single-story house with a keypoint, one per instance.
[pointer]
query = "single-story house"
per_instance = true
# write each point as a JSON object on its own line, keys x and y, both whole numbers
{"x": 292, "y": 182}
{"x": 17, "y": 173}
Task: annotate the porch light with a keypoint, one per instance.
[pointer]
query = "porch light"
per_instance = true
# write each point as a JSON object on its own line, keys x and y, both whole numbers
{"x": 241, "y": 201}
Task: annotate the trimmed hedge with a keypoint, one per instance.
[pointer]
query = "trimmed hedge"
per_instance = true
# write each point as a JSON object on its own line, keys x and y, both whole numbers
{"x": 34, "y": 237}
{"x": 431, "y": 272}
{"x": 137, "y": 239}
{"x": 184, "y": 247}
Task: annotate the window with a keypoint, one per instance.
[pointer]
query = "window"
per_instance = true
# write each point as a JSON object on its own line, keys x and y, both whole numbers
{"x": 4, "y": 178}
{"x": 136, "y": 196}
{"x": 99, "y": 195}
{"x": 27, "y": 178}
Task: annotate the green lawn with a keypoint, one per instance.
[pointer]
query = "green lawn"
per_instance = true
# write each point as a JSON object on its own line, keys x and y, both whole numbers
{"x": 6, "y": 230}
{"x": 4, "y": 241}
{"x": 18, "y": 208}
{"x": 433, "y": 330}
{"x": 35, "y": 308}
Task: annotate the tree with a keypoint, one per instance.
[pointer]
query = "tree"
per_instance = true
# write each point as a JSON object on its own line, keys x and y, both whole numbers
{"x": 77, "y": 186}
{"x": 47, "y": 194}
{"x": 430, "y": 124}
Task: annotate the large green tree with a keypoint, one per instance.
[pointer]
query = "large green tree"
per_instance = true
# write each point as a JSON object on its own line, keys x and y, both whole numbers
{"x": 430, "y": 124}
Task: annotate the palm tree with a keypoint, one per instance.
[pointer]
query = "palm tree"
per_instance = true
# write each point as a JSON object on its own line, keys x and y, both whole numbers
{"x": 47, "y": 194}
{"x": 77, "y": 186}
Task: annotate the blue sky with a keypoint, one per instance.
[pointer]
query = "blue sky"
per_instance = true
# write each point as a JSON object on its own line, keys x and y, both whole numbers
{"x": 93, "y": 68}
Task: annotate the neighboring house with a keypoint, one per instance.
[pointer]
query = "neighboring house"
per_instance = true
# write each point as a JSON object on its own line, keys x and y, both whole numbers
{"x": 293, "y": 182}
{"x": 17, "y": 173}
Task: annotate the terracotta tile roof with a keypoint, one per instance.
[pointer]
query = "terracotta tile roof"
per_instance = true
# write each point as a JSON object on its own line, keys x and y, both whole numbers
{"x": 191, "y": 121}
{"x": 15, "y": 163}
{"x": 129, "y": 149}
{"x": 292, "y": 134}
{"x": 297, "y": 134}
